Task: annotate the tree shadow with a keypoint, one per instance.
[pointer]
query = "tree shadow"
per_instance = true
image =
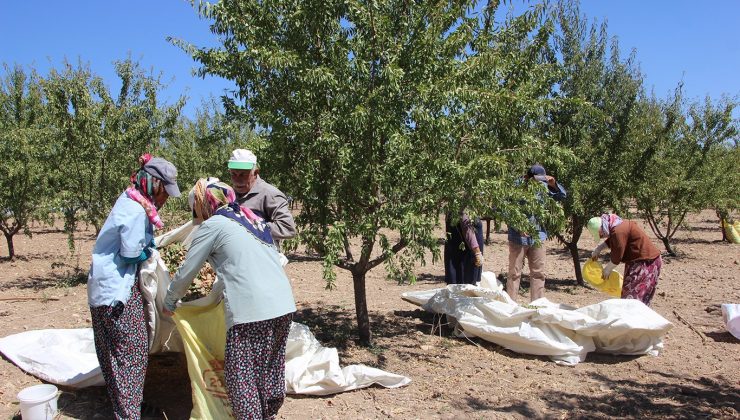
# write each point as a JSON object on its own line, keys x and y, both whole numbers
{"x": 332, "y": 325}
{"x": 300, "y": 257}
{"x": 428, "y": 278}
{"x": 722, "y": 337}
{"x": 167, "y": 386}
{"x": 676, "y": 397}
{"x": 38, "y": 283}
{"x": 697, "y": 241}
{"x": 35, "y": 256}
{"x": 521, "y": 408}
{"x": 473, "y": 403}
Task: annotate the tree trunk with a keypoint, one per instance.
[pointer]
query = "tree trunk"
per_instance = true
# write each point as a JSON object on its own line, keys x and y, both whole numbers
{"x": 668, "y": 247}
{"x": 11, "y": 249}
{"x": 363, "y": 319}
{"x": 573, "y": 248}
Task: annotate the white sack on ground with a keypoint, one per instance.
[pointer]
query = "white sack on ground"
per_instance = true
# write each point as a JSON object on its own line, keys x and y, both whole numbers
{"x": 565, "y": 334}
{"x": 311, "y": 368}
{"x": 60, "y": 356}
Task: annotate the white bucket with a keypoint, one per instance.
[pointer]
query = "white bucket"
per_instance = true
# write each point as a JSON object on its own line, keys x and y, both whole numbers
{"x": 38, "y": 402}
{"x": 731, "y": 315}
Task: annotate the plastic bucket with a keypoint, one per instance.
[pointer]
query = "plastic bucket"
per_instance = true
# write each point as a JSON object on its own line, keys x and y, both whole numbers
{"x": 38, "y": 402}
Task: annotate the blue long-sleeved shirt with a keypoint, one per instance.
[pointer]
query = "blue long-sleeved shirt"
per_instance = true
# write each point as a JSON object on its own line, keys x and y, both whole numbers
{"x": 121, "y": 241}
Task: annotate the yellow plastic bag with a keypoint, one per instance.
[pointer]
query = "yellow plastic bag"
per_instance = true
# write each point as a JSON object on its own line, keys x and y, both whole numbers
{"x": 592, "y": 274}
{"x": 732, "y": 231}
{"x": 203, "y": 331}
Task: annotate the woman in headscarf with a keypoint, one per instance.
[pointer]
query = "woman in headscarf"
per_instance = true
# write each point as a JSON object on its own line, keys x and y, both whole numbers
{"x": 116, "y": 306}
{"x": 258, "y": 299}
{"x": 629, "y": 244}
{"x": 463, "y": 250}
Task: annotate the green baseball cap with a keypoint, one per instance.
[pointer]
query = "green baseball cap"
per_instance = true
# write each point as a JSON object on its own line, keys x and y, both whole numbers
{"x": 593, "y": 226}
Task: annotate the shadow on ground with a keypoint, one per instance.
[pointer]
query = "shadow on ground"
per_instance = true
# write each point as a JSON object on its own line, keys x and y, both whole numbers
{"x": 66, "y": 278}
{"x": 167, "y": 387}
{"x": 673, "y": 397}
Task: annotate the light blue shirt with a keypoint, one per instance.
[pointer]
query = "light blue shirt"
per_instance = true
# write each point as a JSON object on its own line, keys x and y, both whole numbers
{"x": 126, "y": 232}
{"x": 255, "y": 285}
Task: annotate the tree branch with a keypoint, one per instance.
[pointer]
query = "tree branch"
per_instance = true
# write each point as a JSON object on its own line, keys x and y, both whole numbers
{"x": 381, "y": 258}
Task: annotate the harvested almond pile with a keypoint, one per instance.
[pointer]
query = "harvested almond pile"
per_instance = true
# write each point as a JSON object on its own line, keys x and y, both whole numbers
{"x": 173, "y": 256}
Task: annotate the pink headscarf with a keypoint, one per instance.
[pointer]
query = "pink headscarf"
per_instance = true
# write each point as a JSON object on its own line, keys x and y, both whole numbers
{"x": 609, "y": 222}
{"x": 141, "y": 190}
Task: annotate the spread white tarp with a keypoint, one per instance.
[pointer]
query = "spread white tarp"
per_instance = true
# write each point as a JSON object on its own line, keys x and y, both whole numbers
{"x": 67, "y": 356}
{"x": 60, "y": 356}
{"x": 565, "y": 334}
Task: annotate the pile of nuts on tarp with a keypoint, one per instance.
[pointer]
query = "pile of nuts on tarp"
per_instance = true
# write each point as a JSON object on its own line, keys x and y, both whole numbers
{"x": 173, "y": 255}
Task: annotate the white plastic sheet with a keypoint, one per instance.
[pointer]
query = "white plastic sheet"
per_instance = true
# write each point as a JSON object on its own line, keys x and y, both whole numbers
{"x": 731, "y": 316}
{"x": 311, "y": 368}
{"x": 67, "y": 357}
{"x": 565, "y": 334}
{"x": 61, "y": 356}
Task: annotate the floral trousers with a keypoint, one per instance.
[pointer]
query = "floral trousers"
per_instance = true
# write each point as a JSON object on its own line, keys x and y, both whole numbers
{"x": 641, "y": 279}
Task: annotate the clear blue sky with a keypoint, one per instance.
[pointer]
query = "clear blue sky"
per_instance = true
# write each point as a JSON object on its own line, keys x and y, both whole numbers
{"x": 694, "y": 41}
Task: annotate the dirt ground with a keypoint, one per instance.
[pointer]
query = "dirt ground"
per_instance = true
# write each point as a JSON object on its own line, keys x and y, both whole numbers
{"x": 697, "y": 375}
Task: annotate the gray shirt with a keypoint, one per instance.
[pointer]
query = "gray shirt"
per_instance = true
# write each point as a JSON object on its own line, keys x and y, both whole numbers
{"x": 255, "y": 285}
{"x": 272, "y": 205}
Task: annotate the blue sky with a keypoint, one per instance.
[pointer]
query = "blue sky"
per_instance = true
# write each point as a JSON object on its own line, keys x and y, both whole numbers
{"x": 697, "y": 42}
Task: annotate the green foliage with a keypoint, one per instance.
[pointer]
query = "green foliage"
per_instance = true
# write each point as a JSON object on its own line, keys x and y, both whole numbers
{"x": 25, "y": 150}
{"x": 99, "y": 136}
{"x": 201, "y": 147}
{"x": 379, "y": 116}
{"x": 596, "y": 121}
{"x": 685, "y": 166}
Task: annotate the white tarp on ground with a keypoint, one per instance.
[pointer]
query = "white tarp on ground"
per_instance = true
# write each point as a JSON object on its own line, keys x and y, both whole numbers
{"x": 67, "y": 357}
{"x": 60, "y": 356}
{"x": 565, "y": 334}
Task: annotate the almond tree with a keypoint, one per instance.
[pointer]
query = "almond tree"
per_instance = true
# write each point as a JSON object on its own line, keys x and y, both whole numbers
{"x": 679, "y": 169}
{"x": 24, "y": 148}
{"x": 380, "y": 116}
{"x": 597, "y": 122}
{"x": 99, "y": 135}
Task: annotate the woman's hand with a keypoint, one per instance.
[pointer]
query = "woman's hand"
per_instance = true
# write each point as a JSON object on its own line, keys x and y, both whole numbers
{"x": 608, "y": 270}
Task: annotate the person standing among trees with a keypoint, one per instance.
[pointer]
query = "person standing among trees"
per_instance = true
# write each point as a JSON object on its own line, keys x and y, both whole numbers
{"x": 261, "y": 197}
{"x": 463, "y": 251}
{"x": 116, "y": 305}
{"x": 629, "y": 244}
{"x": 258, "y": 299}
{"x": 522, "y": 244}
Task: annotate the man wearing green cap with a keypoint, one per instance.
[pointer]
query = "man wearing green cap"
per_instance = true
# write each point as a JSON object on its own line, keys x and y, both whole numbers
{"x": 262, "y": 198}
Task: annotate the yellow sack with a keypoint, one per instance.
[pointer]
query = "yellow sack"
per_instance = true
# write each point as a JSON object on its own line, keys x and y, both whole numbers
{"x": 732, "y": 231}
{"x": 203, "y": 331}
{"x": 592, "y": 274}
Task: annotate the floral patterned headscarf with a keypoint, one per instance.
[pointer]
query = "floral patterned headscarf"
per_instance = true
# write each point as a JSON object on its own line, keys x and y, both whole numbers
{"x": 212, "y": 197}
{"x": 142, "y": 190}
{"x": 210, "y": 194}
{"x": 609, "y": 222}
